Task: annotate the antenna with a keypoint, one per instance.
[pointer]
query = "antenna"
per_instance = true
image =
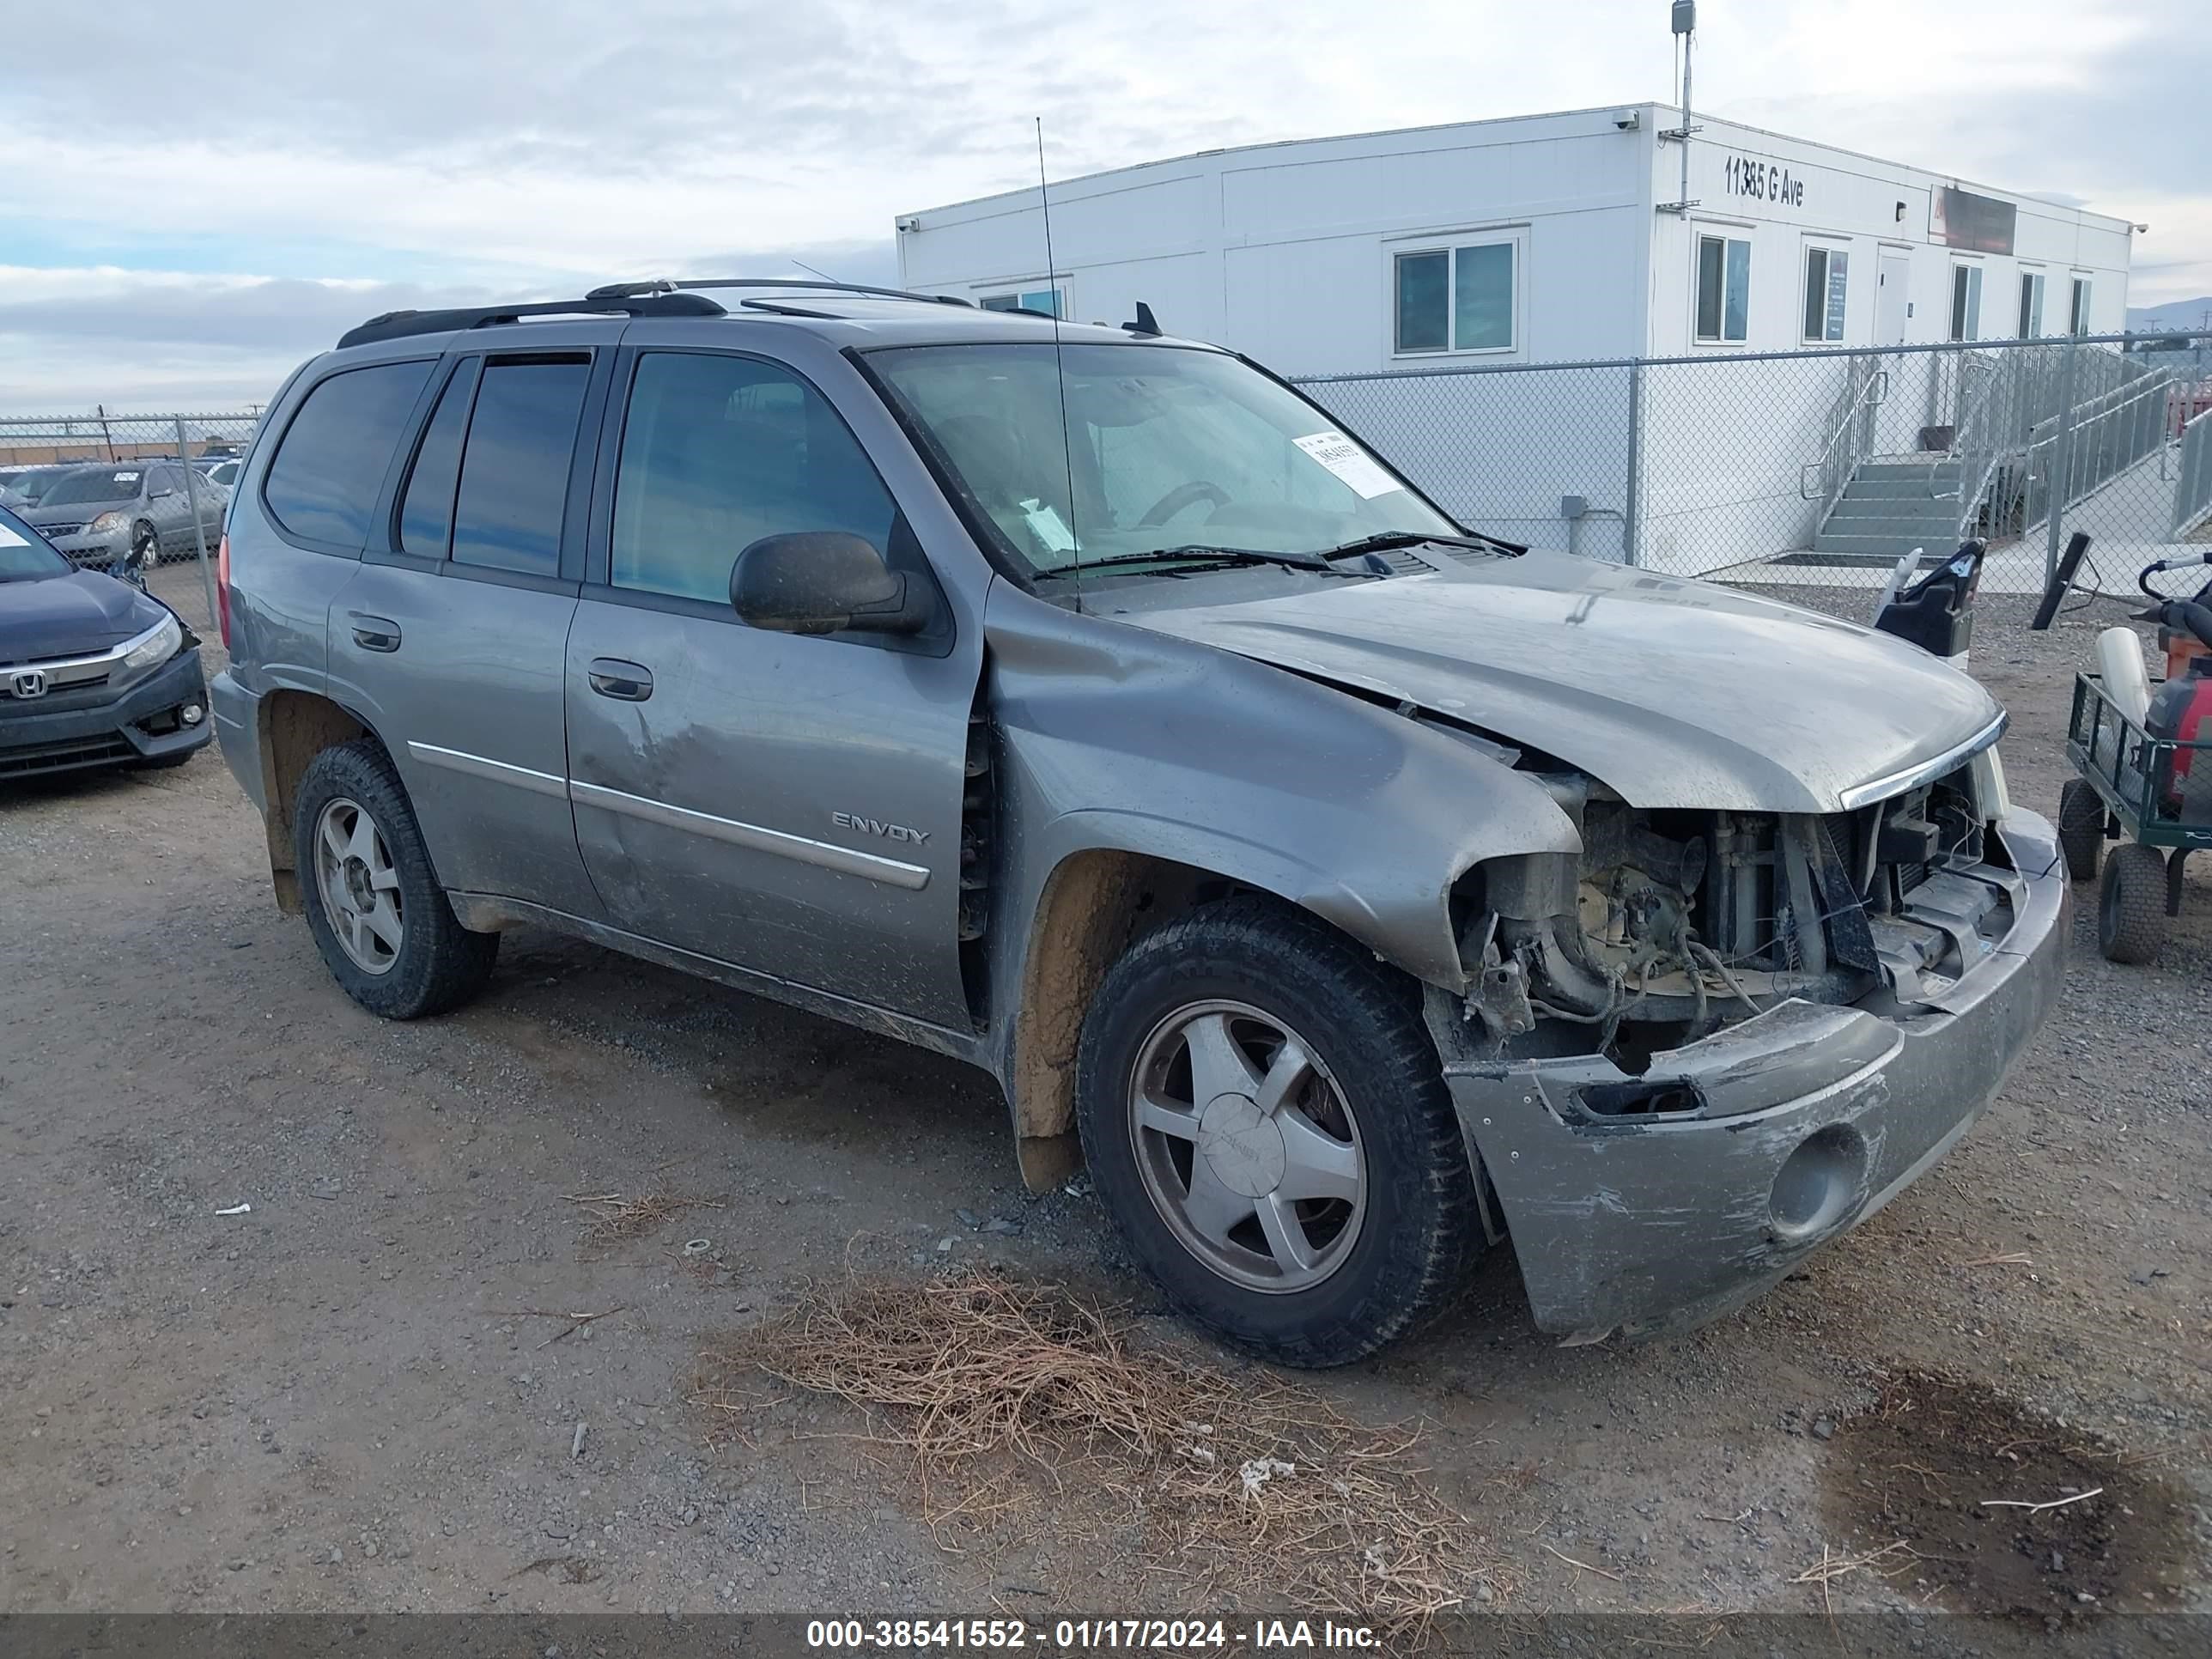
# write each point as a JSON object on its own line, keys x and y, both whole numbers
{"x": 1059, "y": 364}
{"x": 812, "y": 271}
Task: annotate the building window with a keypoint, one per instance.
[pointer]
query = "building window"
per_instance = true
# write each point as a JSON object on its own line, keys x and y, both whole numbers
{"x": 2030, "y": 304}
{"x": 1723, "y": 290}
{"x": 1455, "y": 298}
{"x": 2077, "y": 317}
{"x": 1965, "y": 302}
{"x": 1826, "y": 271}
{"x": 1051, "y": 301}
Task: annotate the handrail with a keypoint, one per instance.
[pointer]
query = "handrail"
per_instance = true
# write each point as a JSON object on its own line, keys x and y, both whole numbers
{"x": 1870, "y": 395}
{"x": 2192, "y": 492}
{"x": 1976, "y": 434}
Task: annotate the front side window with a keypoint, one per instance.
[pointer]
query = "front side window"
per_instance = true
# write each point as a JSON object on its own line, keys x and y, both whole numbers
{"x": 322, "y": 486}
{"x": 2030, "y": 304}
{"x": 1455, "y": 298}
{"x": 1172, "y": 447}
{"x": 1965, "y": 302}
{"x": 717, "y": 453}
{"x": 1723, "y": 311}
{"x": 2078, "y": 314}
{"x": 514, "y": 469}
{"x": 1827, "y": 272}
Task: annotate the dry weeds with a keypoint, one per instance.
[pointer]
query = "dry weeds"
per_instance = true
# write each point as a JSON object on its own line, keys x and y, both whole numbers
{"x": 616, "y": 1218}
{"x": 1004, "y": 1400}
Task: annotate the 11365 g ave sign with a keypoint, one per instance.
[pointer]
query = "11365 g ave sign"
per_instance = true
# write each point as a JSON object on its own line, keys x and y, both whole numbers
{"x": 1763, "y": 181}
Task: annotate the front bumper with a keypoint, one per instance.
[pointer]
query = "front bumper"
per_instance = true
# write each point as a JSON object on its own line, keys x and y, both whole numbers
{"x": 94, "y": 552}
{"x": 100, "y": 730}
{"x": 1814, "y": 1117}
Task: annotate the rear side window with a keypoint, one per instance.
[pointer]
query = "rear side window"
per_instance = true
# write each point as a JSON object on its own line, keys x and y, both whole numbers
{"x": 322, "y": 486}
{"x": 514, "y": 470}
{"x": 426, "y": 514}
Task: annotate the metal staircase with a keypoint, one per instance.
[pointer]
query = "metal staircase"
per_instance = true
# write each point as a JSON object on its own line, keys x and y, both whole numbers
{"x": 1893, "y": 505}
{"x": 2021, "y": 421}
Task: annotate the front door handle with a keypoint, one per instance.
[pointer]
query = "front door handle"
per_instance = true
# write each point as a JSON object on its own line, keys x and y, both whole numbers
{"x": 628, "y": 682}
{"x": 374, "y": 633}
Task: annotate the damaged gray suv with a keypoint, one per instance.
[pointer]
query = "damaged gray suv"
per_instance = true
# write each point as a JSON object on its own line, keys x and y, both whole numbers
{"x": 1351, "y": 893}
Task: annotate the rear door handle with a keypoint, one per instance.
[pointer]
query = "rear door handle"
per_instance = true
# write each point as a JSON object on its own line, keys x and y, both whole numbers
{"x": 628, "y": 682}
{"x": 375, "y": 632}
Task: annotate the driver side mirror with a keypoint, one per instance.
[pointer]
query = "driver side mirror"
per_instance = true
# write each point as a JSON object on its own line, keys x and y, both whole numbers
{"x": 824, "y": 581}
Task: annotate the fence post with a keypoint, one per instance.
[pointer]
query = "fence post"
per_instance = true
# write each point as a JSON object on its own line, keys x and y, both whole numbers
{"x": 1631, "y": 498}
{"x": 2062, "y": 461}
{"x": 199, "y": 530}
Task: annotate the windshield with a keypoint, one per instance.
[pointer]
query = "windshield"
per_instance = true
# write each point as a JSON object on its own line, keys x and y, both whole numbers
{"x": 1173, "y": 447}
{"x": 24, "y": 555}
{"x": 93, "y": 483}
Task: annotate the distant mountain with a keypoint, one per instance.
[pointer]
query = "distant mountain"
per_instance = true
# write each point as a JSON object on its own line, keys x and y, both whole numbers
{"x": 2174, "y": 314}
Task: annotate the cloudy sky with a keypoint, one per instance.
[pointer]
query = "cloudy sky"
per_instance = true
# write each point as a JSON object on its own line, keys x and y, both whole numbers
{"x": 193, "y": 200}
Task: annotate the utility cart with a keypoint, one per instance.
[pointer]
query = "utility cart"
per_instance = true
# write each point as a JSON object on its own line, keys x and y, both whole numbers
{"x": 2144, "y": 757}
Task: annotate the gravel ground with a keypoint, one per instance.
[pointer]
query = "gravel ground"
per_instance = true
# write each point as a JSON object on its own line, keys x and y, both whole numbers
{"x": 364, "y": 1393}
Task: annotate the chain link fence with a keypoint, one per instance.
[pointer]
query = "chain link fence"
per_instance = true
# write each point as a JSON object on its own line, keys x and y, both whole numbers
{"x": 1818, "y": 467}
{"x": 102, "y": 487}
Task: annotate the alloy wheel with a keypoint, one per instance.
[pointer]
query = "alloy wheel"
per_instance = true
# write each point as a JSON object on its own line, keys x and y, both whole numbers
{"x": 360, "y": 886}
{"x": 1247, "y": 1147}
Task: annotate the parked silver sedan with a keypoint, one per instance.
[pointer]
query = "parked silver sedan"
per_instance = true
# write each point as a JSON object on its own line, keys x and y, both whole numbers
{"x": 95, "y": 515}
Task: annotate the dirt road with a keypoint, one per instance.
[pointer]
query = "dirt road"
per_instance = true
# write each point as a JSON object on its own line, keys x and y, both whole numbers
{"x": 367, "y": 1392}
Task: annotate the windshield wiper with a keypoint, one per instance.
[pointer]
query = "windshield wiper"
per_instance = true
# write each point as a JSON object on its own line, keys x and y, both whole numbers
{"x": 1197, "y": 553}
{"x": 1385, "y": 540}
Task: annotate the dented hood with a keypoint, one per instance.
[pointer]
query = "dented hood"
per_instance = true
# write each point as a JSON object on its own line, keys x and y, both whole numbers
{"x": 1674, "y": 693}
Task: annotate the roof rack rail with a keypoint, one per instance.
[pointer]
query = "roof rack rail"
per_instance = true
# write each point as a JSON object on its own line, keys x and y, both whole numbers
{"x": 820, "y": 285}
{"x": 655, "y": 302}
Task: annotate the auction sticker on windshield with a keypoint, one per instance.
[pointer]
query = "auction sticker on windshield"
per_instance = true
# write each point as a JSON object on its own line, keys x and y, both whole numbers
{"x": 9, "y": 538}
{"x": 1350, "y": 463}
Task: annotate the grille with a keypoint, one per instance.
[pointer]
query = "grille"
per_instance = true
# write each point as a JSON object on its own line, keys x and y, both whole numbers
{"x": 54, "y": 532}
{"x": 55, "y": 756}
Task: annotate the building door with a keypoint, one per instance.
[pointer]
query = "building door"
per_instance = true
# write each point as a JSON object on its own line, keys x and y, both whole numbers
{"x": 1891, "y": 307}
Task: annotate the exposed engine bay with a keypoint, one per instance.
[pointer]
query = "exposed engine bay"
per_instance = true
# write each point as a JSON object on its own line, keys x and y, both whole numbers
{"x": 1672, "y": 924}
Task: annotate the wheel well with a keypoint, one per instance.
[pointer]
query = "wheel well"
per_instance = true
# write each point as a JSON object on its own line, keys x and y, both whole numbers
{"x": 1094, "y": 904}
{"x": 296, "y": 727}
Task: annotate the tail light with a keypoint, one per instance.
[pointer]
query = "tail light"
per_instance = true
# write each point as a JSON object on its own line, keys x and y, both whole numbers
{"x": 222, "y": 588}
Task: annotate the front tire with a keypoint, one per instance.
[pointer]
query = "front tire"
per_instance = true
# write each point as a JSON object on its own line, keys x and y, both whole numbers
{"x": 384, "y": 925}
{"x": 1262, "y": 1111}
{"x": 147, "y": 545}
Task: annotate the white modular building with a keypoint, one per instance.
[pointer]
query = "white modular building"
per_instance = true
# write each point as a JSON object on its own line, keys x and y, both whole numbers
{"x": 1591, "y": 235}
{"x": 1536, "y": 239}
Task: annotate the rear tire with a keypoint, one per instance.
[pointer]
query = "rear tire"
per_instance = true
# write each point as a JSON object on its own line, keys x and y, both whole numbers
{"x": 1361, "y": 1220}
{"x": 2131, "y": 908}
{"x": 2081, "y": 829}
{"x": 364, "y": 871}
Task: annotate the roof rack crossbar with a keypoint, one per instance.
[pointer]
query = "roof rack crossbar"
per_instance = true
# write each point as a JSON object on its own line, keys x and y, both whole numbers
{"x": 821, "y": 285}
{"x": 399, "y": 324}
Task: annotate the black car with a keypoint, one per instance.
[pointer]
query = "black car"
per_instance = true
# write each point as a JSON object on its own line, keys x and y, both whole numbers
{"x": 93, "y": 672}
